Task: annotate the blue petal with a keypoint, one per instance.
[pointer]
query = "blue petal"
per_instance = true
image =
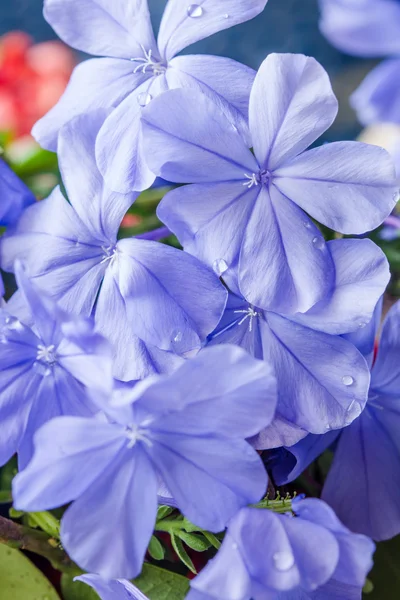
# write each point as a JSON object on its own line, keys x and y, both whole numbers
{"x": 194, "y": 145}
{"x": 107, "y": 530}
{"x": 377, "y": 98}
{"x": 118, "y": 29}
{"x": 386, "y": 370}
{"x": 290, "y": 463}
{"x": 367, "y": 460}
{"x": 172, "y": 299}
{"x": 347, "y": 186}
{"x": 179, "y": 28}
{"x": 58, "y": 252}
{"x": 70, "y": 454}
{"x": 100, "y": 209}
{"x": 291, "y": 105}
{"x": 100, "y": 83}
{"x": 362, "y": 274}
{"x": 226, "y": 82}
{"x": 225, "y": 475}
{"x": 209, "y": 390}
{"x": 279, "y": 254}
{"x": 366, "y": 28}
{"x": 133, "y": 359}
{"x": 15, "y": 196}
{"x": 117, "y": 589}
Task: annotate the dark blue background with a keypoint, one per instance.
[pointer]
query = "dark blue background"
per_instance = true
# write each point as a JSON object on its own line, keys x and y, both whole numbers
{"x": 285, "y": 26}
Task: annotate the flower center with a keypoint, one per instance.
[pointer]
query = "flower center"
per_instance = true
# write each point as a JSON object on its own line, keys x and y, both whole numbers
{"x": 263, "y": 177}
{"x": 138, "y": 433}
{"x": 110, "y": 254}
{"x": 147, "y": 64}
{"x": 249, "y": 313}
{"x": 46, "y": 354}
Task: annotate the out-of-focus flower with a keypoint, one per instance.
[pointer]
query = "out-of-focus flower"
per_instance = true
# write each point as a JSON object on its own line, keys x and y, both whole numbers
{"x": 32, "y": 79}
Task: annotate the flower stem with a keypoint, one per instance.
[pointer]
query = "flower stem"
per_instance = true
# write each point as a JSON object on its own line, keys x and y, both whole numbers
{"x": 21, "y": 537}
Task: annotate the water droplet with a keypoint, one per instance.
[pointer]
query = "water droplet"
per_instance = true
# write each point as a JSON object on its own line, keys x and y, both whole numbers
{"x": 234, "y": 546}
{"x": 353, "y": 411}
{"x": 144, "y": 99}
{"x": 347, "y": 380}
{"x": 194, "y": 11}
{"x": 220, "y": 266}
{"x": 319, "y": 243}
{"x": 283, "y": 561}
{"x": 396, "y": 196}
{"x": 226, "y": 16}
{"x": 362, "y": 324}
{"x": 327, "y": 427}
{"x": 307, "y": 224}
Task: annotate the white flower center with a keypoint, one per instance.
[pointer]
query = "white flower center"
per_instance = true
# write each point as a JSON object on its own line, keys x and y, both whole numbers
{"x": 148, "y": 64}
{"x": 248, "y": 313}
{"x": 46, "y": 354}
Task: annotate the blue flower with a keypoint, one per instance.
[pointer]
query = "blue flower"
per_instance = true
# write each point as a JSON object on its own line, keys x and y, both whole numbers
{"x": 46, "y": 371}
{"x": 187, "y": 428}
{"x": 153, "y": 302}
{"x": 117, "y": 589}
{"x": 269, "y": 556}
{"x": 367, "y": 452}
{"x": 15, "y": 196}
{"x": 138, "y": 69}
{"x": 245, "y": 213}
{"x": 369, "y": 28}
{"x": 322, "y": 378}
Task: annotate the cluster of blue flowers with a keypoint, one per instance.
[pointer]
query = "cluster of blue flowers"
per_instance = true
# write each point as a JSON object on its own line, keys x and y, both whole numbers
{"x": 134, "y": 374}
{"x": 369, "y": 28}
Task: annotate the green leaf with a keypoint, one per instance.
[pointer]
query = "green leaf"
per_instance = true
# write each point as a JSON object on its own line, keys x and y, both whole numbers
{"x": 5, "y": 497}
{"x": 181, "y": 552}
{"x": 45, "y": 521}
{"x": 164, "y": 511}
{"x": 195, "y": 542}
{"x": 159, "y": 584}
{"x": 385, "y": 575}
{"x": 214, "y": 541}
{"x": 76, "y": 590}
{"x": 156, "y": 549}
{"x": 20, "y": 579}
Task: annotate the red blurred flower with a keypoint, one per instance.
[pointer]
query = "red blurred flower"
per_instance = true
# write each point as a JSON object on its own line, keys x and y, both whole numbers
{"x": 32, "y": 79}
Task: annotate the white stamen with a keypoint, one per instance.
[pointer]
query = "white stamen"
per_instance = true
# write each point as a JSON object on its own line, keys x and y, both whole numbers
{"x": 46, "y": 353}
{"x": 252, "y": 180}
{"x": 147, "y": 62}
{"x": 135, "y": 434}
{"x": 249, "y": 313}
{"x": 110, "y": 254}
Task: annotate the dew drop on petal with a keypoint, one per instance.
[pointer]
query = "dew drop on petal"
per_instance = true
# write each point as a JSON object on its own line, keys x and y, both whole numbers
{"x": 319, "y": 243}
{"x": 396, "y": 196}
{"x": 226, "y": 16}
{"x": 353, "y": 411}
{"x": 194, "y": 11}
{"x": 220, "y": 266}
{"x": 347, "y": 380}
{"x": 144, "y": 99}
{"x": 283, "y": 561}
{"x": 307, "y": 224}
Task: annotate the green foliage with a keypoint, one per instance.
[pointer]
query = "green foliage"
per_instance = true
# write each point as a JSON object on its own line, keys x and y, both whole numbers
{"x": 196, "y": 542}
{"x": 159, "y": 584}
{"x": 385, "y": 575}
{"x": 156, "y": 549}
{"x": 181, "y": 552}
{"x": 76, "y": 590}
{"x": 21, "y": 580}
